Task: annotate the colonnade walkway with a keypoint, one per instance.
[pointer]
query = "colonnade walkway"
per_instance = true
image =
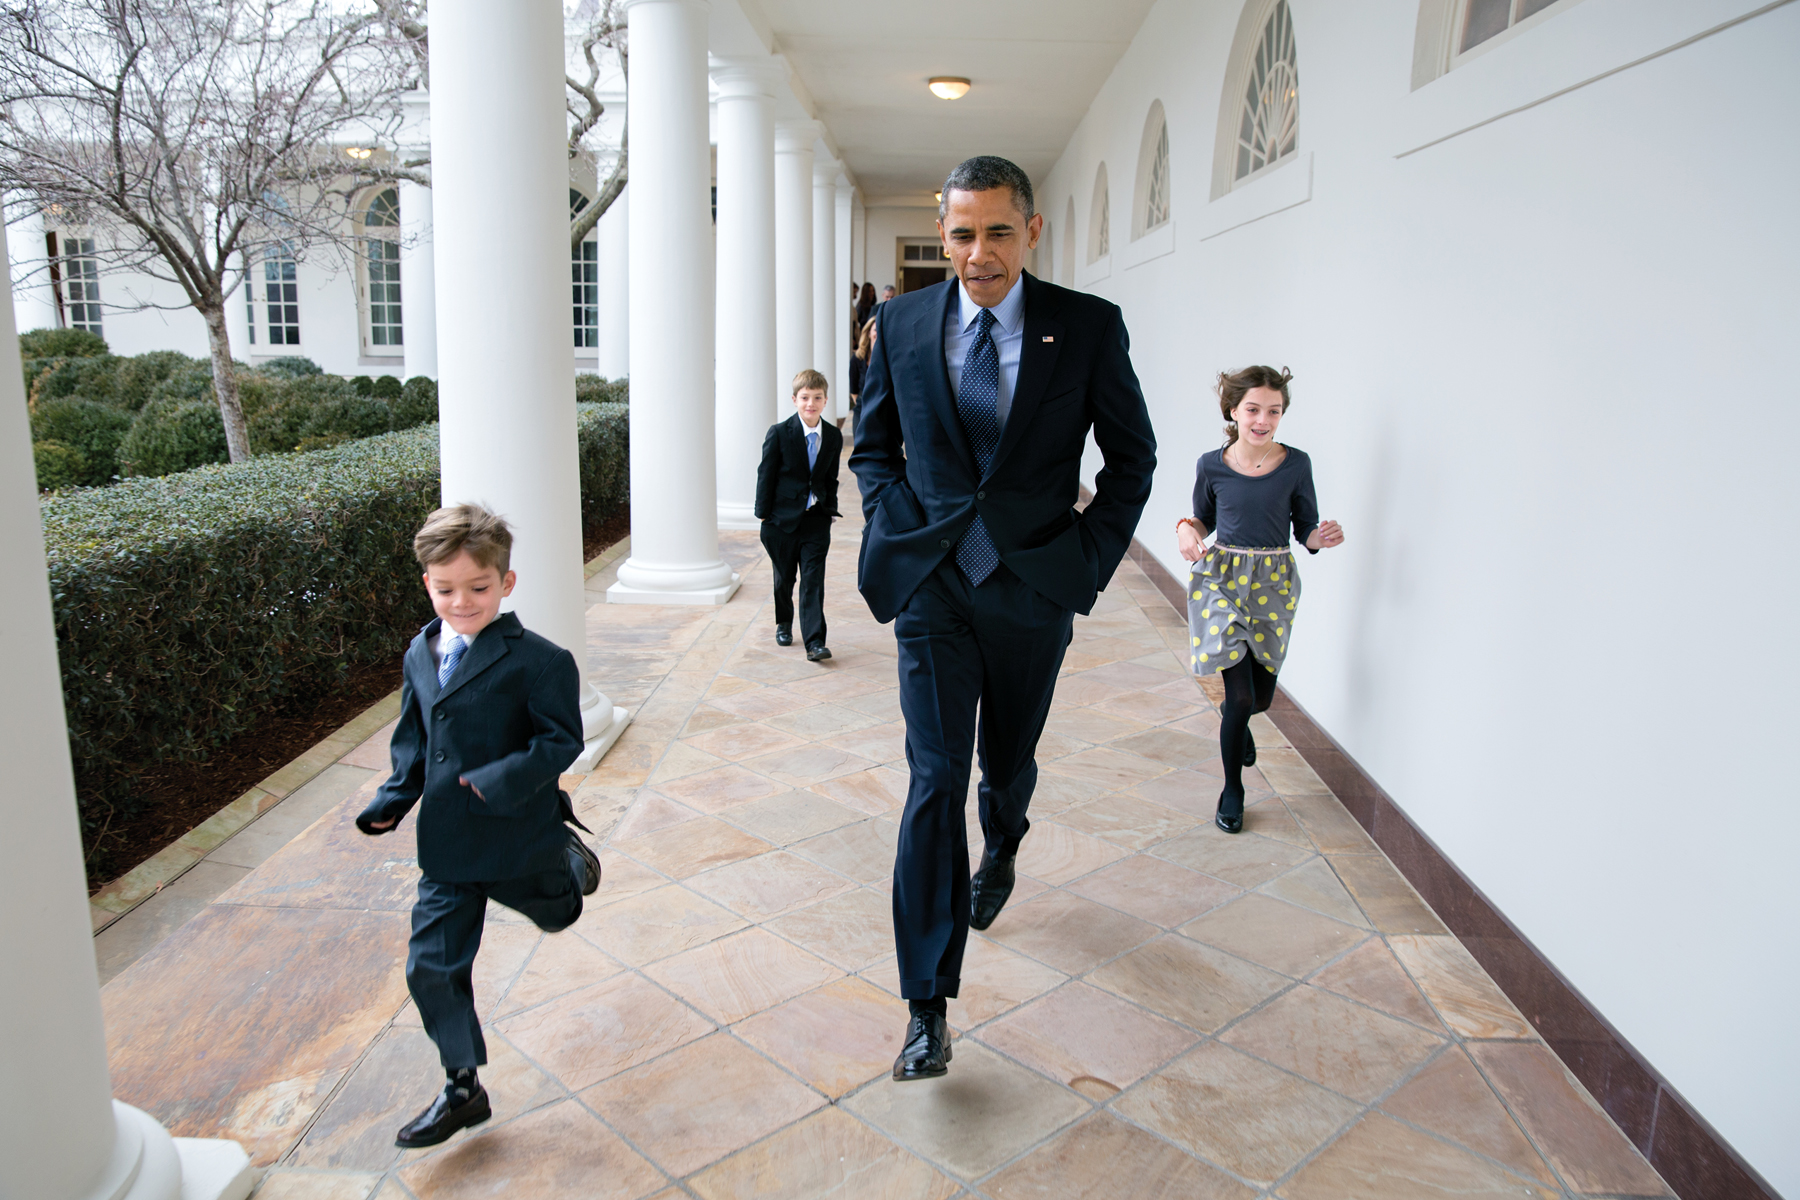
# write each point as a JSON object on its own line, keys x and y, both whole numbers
{"x": 1161, "y": 1010}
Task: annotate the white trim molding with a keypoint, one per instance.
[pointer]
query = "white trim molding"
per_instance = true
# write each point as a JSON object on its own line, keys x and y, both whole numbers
{"x": 1088, "y": 274}
{"x": 1154, "y": 244}
{"x": 1279, "y": 190}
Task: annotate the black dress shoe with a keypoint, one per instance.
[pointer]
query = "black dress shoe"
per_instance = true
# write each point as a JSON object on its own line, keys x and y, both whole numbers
{"x": 590, "y": 863}
{"x": 784, "y": 636}
{"x": 448, "y": 1113}
{"x": 817, "y": 652}
{"x": 926, "y": 1054}
{"x": 1229, "y": 822}
{"x": 989, "y": 890}
{"x": 1249, "y": 748}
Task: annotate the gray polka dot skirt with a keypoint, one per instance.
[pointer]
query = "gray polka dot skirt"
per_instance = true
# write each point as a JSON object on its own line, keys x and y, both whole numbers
{"x": 1241, "y": 604}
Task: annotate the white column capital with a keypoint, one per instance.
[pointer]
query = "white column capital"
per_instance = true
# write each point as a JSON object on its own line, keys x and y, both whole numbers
{"x": 825, "y": 170}
{"x": 747, "y": 77}
{"x": 794, "y": 137}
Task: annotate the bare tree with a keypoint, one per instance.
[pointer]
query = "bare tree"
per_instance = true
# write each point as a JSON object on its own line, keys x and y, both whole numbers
{"x": 600, "y": 27}
{"x": 198, "y": 134}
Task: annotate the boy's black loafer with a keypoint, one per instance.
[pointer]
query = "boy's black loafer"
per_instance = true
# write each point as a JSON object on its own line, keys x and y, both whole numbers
{"x": 817, "y": 652}
{"x": 447, "y": 1114}
{"x": 784, "y": 636}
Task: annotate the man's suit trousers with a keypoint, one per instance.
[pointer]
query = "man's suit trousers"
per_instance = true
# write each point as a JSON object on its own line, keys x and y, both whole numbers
{"x": 800, "y": 555}
{"x": 977, "y": 670}
{"x": 446, "y": 932}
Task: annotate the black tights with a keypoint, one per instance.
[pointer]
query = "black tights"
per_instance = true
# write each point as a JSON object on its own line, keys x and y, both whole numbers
{"x": 1249, "y": 688}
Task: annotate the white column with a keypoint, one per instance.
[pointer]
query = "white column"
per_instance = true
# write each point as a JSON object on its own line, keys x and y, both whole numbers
{"x": 418, "y": 270}
{"x": 506, "y": 396}
{"x": 828, "y": 292}
{"x": 793, "y": 256}
{"x": 746, "y": 278}
{"x": 62, "y": 1135}
{"x": 614, "y": 359}
{"x": 34, "y": 302}
{"x": 674, "y": 497}
{"x": 840, "y": 368}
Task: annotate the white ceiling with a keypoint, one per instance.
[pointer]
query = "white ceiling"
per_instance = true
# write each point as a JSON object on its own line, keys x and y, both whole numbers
{"x": 1034, "y": 65}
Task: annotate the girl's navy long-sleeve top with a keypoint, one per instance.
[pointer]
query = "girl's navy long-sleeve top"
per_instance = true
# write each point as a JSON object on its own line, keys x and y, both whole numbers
{"x": 1256, "y": 510}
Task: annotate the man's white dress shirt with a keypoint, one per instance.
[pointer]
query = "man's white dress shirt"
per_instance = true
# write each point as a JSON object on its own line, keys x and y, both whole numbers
{"x": 1008, "y": 334}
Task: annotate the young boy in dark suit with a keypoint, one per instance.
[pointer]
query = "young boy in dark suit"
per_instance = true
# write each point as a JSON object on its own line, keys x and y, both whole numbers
{"x": 796, "y": 497}
{"x": 490, "y": 716}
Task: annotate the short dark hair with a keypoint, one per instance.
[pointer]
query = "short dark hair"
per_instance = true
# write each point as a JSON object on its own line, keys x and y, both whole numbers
{"x": 983, "y": 173}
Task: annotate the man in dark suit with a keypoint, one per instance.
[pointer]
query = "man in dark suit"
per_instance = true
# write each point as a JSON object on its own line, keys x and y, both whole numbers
{"x": 490, "y": 717}
{"x": 796, "y": 498}
{"x": 979, "y": 398}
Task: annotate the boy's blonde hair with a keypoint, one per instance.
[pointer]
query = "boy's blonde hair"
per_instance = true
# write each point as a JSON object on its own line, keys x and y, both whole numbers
{"x": 810, "y": 378}
{"x": 450, "y": 531}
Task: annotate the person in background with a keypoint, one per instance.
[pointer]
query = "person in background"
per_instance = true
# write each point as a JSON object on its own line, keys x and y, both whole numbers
{"x": 865, "y": 305}
{"x": 859, "y": 362}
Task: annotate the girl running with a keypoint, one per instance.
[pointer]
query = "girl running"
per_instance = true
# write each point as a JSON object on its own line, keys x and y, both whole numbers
{"x": 1243, "y": 590}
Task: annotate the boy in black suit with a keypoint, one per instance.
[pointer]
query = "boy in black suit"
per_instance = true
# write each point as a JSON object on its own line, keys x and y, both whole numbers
{"x": 796, "y": 497}
{"x": 490, "y": 717}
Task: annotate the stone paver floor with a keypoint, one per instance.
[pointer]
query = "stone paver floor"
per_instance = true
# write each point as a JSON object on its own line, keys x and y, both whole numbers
{"x": 1162, "y": 1010}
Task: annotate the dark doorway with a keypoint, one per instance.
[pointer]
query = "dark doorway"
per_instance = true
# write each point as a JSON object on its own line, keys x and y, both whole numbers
{"x": 914, "y": 278}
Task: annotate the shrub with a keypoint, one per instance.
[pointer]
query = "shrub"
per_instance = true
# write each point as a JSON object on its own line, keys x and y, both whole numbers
{"x": 61, "y": 343}
{"x": 92, "y": 431}
{"x": 58, "y": 466}
{"x": 291, "y": 366}
{"x": 363, "y": 385}
{"x": 387, "y": 387}
{"x": 592, "y": 389}
{"x": 417, "y": 404}
{"x": 186, "y": 605}
{"x": 173, "y": 435}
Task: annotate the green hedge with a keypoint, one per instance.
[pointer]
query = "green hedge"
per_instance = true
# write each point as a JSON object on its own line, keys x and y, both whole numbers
{"x": 188, "y": 604}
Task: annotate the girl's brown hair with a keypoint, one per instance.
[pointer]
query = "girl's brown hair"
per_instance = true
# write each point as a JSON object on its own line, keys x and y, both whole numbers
{"x": 1234, "y": 385}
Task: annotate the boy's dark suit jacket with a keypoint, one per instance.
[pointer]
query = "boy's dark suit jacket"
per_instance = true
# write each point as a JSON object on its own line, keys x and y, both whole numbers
{"x": 782, "y": 480}
{"x": 921, "y": 487}
{"x": 510, "y": 722}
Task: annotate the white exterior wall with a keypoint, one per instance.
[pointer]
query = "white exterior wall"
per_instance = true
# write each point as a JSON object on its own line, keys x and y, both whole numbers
{"x": 883, "y": 225}
{"x": 1510, "y": 350}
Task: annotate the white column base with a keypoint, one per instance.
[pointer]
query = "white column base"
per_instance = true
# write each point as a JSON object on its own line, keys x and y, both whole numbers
{"x": 148, "y": 1164}
{"x": 738, "y": 516}
{"x": 624, "y": 593}
{"x": 597, "y": 743}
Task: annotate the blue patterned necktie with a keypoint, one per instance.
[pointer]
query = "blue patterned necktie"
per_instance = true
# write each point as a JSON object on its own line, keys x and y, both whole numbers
{"x": 978, "y": 406}
{"x": 452, "y": 655}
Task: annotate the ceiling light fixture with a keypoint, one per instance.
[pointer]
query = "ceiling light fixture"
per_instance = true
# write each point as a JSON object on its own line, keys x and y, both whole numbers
{"x": 949, "y": 87}
{"x": 359, "y": 152}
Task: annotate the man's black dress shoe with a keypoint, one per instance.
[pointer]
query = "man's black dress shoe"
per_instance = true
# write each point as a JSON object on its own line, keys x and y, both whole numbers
{"x": 1249, "y": 748}
{"x": 784, "y": 636}
{"x": 817, "y": 652}
{"x": 590, "y": 863}
{"x": 988, "y": 891}
{"x": 447, "y": 1114}
{"x": 1229, "y": 822}
{"x": 926, "y": 1054}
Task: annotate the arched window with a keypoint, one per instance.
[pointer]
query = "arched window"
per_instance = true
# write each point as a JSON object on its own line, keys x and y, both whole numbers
{"x": 381, "y": 257}
{"x": 1151, "y": 209}
{"x": 1066, "y": 261}
{"x": 1100, "y": 219}
{"x": 1259, "y": 114}
{"x": 1450, "y": 30}
{"x": 584, "y": 277}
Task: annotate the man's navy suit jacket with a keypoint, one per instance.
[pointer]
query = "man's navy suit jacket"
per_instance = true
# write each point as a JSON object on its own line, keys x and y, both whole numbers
{"x": 921, "y": 487}
{"x": 783, "y": 478}
{"x": 510, "y": 722}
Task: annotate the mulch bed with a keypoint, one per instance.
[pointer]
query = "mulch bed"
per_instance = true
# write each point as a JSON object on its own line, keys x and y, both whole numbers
{"x": 178, "y": 796}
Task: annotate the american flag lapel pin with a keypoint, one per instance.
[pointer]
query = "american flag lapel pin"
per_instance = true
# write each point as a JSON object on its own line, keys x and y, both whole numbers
{"x": 1047, "y": 338}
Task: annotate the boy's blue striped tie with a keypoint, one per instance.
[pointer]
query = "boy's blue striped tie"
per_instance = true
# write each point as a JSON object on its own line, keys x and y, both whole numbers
{"x": 452, "y": 655}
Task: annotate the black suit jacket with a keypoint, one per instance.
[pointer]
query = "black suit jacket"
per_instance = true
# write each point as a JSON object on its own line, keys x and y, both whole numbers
{"x": 783, "y": 479}
{"x": 510, "y": 722}
{"x": 921, "y": 488}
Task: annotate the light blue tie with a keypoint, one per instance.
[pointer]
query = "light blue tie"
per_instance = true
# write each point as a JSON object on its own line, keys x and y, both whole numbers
{"x": 978, "y": 406}
{"x": 452, "y": 655}
{"x": 812, "y": 460}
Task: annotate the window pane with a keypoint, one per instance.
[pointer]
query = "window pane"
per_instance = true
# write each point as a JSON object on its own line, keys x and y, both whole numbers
{"x": 283, "y": 297}
{"x": 1485, "y": 19}
{"x": 584, "y": 276}
{"x": 384, "y": 293}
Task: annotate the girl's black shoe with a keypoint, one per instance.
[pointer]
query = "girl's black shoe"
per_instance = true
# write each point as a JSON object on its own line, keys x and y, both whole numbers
{"x": 1249, "y": 748}
{"x": 1230, "y": 822}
